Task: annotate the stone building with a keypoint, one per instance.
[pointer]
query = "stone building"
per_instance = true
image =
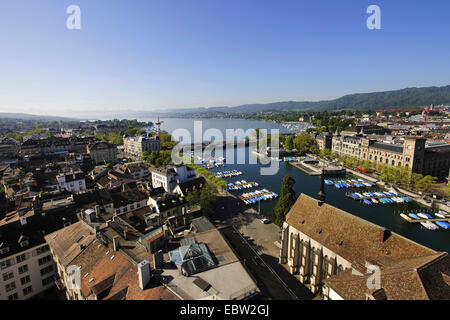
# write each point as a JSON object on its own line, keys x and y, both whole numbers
{"x": 332, "y": 251}
{"x": 134, "y": 146}
{"x": 102, "y": 152}
{"x": 324, "y": 140}
{"x": 417, "y": 155}
{"x": 51, "y": 146}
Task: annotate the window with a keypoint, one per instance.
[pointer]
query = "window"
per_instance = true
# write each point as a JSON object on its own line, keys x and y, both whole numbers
{"x": 4, "y": 250}
{"x": 46, "y": 270}
{"x": 5, "y": 264}
{"x": 10, "y": 286}
{"x": 25, "y": 280}
{"x": 8, "y": 275}
{"x": 42, "y": 249}
{"x": 43, "y": 260}
{"x": 27, "y": 290}
{"x": 14, "y": 296}
{"x": 21, "y": 258}
{"x": 23, "y": 269}
{"x": 47, "y": 281}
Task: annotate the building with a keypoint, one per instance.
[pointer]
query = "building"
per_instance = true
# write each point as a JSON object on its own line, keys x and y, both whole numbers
{"x": 52, "y": 146}
{"x": 100, "y": 263}
{"x": 102, "y": 152}
{"x": 207, "y": 268}
{"x": 72, "y": 181}
{"x": 192, "y": 185}
{"x": 365, "y": 129}
{"x": 170, "y": 177}
{"x": 171, "y": 209}
{"x": 414, "y": 153}
{"x": 135, "y": 146}
{"x": 331, "y": 251}
{"x": 27, "y": 268}
{"x": 324, "y": 140}
{"x": 9, "y": 150}
{"x": 138, "y": 169}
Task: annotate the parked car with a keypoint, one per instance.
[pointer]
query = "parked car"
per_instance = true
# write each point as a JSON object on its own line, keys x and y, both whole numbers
{"x": 265, "y": 221}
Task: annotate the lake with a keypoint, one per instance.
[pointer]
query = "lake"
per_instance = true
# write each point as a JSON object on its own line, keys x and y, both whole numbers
{"x": 381, "y": 214}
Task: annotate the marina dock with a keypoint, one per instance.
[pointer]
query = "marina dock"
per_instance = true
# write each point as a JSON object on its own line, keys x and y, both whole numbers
{"x": 411, "y": 220}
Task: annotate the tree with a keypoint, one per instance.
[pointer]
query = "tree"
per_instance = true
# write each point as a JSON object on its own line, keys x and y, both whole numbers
{"x": 325, "y": 153}
{"x": 289, "y": 143}
{"x": 305, "y": 143}
{"x": 208, "y": 199}
{"x": 285, "y": 202}
{"x": 425, "y": 183}
{"x": 193, "y": 198}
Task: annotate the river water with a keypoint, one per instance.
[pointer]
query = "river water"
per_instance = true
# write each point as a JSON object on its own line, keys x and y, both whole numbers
{"x": 385, "y": 215}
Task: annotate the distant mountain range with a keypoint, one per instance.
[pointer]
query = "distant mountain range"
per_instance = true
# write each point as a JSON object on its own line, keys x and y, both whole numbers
{"x": 405, "y": 98}
{"x": 27, "y": 116}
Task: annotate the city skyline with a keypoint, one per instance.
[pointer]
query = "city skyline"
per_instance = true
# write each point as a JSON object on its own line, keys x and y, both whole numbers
{"x": 181, "y": 54}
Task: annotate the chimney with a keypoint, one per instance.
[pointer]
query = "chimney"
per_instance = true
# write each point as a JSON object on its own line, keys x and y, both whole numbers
{"x": 143, "y": 273}
{"x": 125, "y": 234}
{"x": 116, "y": 243}
{"x": 384, "y": 234}
{"x": 322, "y": 189}
{"x": 158, "y": 259}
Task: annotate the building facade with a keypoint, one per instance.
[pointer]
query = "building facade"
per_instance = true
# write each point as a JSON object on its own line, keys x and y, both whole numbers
{"x": 102, "y": 152}
{"x": 135, "y": 146}
{"x": 331, "y": 251}
{"x": 427, "y": 159}
{"x": 170, "y": 177}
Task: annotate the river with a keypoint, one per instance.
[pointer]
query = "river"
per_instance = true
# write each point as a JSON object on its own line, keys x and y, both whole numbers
{"x": 385, "y": 215}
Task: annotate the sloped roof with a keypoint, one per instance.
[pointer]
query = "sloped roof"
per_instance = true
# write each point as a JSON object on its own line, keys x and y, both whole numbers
{"x": 354, "y": 239}
{"x": 408, "y": 269}
{"x": 412, "y": 279}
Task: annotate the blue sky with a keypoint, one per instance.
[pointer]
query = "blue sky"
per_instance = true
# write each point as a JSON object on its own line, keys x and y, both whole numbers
{"x": 165, "y": 54}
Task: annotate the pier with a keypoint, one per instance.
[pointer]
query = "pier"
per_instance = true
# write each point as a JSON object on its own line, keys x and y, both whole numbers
{"x": 411, "y": 220}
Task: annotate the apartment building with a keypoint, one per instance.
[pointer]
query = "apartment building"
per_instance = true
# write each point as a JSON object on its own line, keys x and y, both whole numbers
{"x": 26, "y": 265}
{"x": 72, "y": 181}
{"x": 137, "y": 169}
{"x": 135, "y": 146}
{"x": 50, "y": 146}
{"x": 170, "y": 177}
{"x": 102, "y": 152}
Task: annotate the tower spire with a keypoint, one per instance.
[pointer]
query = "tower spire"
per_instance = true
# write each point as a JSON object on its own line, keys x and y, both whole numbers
{"x": 321, "y": 193}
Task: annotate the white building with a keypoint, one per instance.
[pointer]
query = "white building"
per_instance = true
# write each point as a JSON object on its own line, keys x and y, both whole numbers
{"x": 72, "y": 181}
{"x": 170, "y": 177}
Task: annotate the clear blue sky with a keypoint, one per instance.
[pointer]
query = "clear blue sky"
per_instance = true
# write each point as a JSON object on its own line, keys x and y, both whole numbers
{"x": 165, "y": 54}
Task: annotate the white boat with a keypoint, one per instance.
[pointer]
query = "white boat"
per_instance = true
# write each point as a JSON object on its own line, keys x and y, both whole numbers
{"x": 404, "y": 216}
{"x": 429, "y": 225}
{"x": 422, "y": 216}
{"x": 374, "y": 200}
{"x": 440, "y": 215}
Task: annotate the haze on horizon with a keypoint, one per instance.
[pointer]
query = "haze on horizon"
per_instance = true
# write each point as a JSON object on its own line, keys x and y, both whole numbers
{"x": 174, "y": 54}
